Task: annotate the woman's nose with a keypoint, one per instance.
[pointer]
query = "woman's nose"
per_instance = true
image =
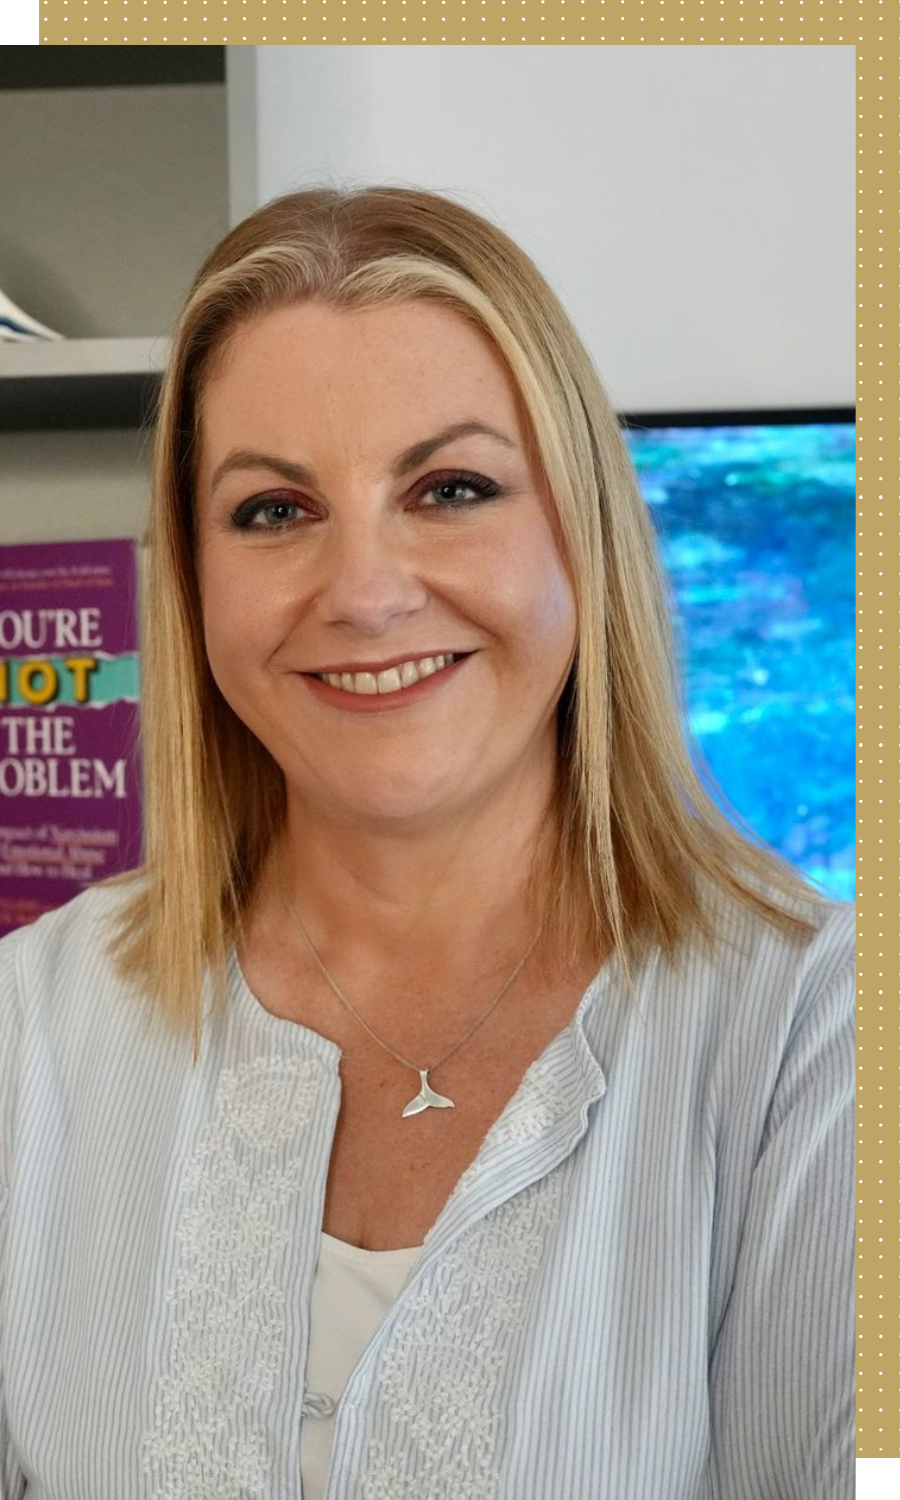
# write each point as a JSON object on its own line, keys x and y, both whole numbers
{"x": 367, "y": 579}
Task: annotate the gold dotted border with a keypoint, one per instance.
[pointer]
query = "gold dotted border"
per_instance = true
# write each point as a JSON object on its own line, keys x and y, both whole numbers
{"x": 873, "y": 30}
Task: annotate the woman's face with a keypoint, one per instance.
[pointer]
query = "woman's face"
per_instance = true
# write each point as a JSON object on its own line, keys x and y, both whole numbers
{"x": 332, "y": 541}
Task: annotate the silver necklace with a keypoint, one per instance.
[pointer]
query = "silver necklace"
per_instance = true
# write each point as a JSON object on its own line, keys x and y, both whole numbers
{"x": 426, "y": 1098}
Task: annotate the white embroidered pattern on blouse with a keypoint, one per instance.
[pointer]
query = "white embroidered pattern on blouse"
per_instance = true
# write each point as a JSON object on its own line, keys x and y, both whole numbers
{"x": 445, "y": 1357}
{"x": 224, "y": 1342}
{"x": 537, "y": 1106}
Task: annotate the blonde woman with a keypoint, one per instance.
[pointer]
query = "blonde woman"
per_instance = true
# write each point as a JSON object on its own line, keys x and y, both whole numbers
{"x": 456, "y": 1103}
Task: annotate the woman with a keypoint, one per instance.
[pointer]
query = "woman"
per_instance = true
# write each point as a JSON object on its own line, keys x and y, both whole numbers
{"x": 512, "y": 1156}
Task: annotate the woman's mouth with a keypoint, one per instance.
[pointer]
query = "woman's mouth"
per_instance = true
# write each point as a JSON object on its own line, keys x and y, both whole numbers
{"x": 405, "y": 682}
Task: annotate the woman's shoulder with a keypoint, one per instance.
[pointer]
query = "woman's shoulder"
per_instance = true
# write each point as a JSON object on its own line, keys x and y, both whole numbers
{"x": 832, "y": 923}
{"x": 46, "y": 961}
{"x": 58, "y": 986}
{"x": 760, "y": 968}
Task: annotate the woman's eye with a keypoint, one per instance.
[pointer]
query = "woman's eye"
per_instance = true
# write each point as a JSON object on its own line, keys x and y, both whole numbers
{"x": 266, "y": 515}
{"x": 476, "y": 484}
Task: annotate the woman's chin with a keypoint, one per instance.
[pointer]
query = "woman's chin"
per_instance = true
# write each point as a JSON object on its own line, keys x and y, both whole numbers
{"x": 389, "y": 803}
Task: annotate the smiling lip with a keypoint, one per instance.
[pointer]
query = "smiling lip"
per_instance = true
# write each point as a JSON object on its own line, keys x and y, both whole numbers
{"x": 381, "y": 666}
{"x": 380, "y": 703}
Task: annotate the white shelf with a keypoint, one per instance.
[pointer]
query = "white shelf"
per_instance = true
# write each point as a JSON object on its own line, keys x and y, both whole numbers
{"x": 78, "y": 383}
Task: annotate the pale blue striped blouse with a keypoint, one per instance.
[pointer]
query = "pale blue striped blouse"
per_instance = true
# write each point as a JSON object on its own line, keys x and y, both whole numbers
{"x": 642, "y": 1289}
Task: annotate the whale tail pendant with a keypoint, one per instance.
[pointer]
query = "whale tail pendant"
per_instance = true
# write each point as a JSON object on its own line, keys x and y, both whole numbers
{"x": 426, "y": 1098}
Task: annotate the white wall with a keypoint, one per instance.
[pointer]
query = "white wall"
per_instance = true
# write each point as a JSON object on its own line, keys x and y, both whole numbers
{"x": 693, "y": 206}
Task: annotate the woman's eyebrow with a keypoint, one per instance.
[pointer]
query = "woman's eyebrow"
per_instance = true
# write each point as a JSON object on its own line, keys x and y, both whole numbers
{"x": 410, "y": 458}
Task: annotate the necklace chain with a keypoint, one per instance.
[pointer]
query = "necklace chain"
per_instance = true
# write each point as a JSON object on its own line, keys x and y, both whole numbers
{"x": 352, "y": 1008}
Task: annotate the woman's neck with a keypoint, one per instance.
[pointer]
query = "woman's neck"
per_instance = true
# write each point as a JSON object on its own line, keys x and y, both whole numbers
{"x": 397, "y": 905}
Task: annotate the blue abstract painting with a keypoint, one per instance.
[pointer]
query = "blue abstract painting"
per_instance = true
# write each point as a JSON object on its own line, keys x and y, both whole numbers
{"x": 756, "y": 527}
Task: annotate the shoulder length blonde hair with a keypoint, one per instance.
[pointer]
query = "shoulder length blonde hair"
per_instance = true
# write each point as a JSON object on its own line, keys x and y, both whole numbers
{"x": 635, "y": 827}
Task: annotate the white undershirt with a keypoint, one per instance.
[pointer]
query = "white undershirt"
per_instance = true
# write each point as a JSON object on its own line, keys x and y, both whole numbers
{"x": 353, "y": 1291}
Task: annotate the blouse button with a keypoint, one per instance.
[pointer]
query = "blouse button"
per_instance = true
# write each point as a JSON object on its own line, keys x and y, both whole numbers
{"x": 316, "y": 1404}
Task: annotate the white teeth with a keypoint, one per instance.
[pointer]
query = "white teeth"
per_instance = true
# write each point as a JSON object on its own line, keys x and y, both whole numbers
{"x": 392, "y": 679}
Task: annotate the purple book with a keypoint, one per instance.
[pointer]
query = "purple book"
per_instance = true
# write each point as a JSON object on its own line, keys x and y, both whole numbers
{"x": 70, "y": 801}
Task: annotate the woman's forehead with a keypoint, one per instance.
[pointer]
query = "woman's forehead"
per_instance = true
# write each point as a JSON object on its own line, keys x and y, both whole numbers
{"x": 385, "y": 379}
{"x": 323, "y": 334}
